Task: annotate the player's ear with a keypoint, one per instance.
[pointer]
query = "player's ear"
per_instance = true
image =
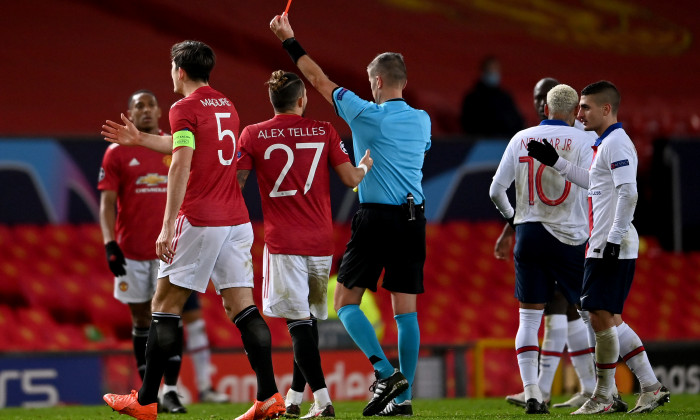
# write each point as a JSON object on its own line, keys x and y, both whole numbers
{"x": 546, "y": 110}
{"x": 128, "y": 115}
{"x": 181, "y": 74}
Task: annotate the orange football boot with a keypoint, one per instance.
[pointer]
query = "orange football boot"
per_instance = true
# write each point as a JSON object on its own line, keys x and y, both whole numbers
{"x": 129, "y": 405}
{"x": 271, "y": 408}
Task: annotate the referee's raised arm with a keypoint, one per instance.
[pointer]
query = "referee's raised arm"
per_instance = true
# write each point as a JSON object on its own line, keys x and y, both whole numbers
{"x": 312, "y": 71}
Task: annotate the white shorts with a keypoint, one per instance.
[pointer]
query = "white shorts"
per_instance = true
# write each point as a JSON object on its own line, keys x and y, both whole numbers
{"x": 219, "y": 253}
{"x": 295, "y": 286}
{"x": 139, "y": 283}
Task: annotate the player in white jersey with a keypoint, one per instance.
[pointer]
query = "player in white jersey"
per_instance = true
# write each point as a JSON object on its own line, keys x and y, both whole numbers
{"x": 563, "y": 326}
{"x": 550, "y": 226}
{"x": 613, "y": 245}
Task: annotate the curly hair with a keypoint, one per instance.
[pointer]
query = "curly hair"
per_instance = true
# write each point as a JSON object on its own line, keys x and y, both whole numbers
{"x": 562, "y": 99}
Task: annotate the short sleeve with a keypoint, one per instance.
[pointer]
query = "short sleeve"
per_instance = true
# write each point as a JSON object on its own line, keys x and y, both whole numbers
{"x": 245, "y": 160}
{"x": 109, "y": 171}
{"x": 180, "y": 118}
{"x": 338, "y": 154}
{"x": 348, "y": 105}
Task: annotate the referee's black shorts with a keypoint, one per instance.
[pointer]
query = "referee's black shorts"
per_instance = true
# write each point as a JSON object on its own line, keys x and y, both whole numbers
{"x": 384, "y": 239}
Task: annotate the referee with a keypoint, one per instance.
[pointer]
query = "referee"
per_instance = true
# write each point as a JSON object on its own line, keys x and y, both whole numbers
{"x": 388, "y": 231}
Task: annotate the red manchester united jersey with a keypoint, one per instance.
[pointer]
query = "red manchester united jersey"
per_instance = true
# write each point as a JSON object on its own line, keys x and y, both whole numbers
{"x": 213, "y": 197}
{"x": 291, "y": 156}
{"x": 140, "y": 178}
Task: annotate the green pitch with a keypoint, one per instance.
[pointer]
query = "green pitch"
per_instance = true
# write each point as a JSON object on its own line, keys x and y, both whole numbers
{"x": 681, "y": 406}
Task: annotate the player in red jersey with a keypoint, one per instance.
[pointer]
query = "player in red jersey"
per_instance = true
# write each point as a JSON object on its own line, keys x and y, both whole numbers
{"x": 133, "y": 184}
{"x": 206, "y": 233}
{"x": 291, "y": 156}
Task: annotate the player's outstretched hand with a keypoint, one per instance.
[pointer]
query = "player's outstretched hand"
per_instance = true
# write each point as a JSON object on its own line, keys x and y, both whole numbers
{"x": 126, "y": 135}
{"x": 367, "y": 160}
{"x": 115, "y": 258}
{"x": 281, "y": 27}
{"x": 544, "y": 152}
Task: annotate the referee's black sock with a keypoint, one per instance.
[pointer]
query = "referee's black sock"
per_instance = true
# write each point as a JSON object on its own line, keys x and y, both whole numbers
{"x": 172, "y": 368}
{"x": 162, "y": 345}
{"x": 257, "y": 343}
{"x": 306, "y": 354}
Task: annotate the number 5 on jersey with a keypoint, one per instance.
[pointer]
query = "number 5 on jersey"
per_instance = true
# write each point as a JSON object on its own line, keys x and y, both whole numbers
{"x": 222, "y": 134}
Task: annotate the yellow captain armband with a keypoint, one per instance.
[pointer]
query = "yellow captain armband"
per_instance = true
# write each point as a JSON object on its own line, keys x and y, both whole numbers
{"x": 183, "y": 138}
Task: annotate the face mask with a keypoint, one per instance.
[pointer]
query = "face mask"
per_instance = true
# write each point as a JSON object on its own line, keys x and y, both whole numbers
{"x": 491, "y": 79}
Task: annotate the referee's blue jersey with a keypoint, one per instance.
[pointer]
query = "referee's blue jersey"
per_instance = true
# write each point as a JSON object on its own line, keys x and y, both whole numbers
{"x": 397, "y": 136}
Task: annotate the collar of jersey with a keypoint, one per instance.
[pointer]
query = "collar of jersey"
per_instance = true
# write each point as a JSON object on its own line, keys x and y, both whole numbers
{"x": 553, "y": 122}
{"x": 607, "y": 132}
{"x": 395, "y": 99}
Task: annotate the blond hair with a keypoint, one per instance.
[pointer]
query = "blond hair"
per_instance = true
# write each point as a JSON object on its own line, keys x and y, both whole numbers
{"x": 562, "y": 99}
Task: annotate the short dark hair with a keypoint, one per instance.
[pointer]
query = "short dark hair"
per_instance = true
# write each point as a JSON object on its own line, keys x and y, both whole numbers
{"x": 195, "y": 57}
{"x": 390, "y": 66}
{"x": 139, "y": 92}
{"x": 285, "y": 89}
{"x": 608, "y": 93}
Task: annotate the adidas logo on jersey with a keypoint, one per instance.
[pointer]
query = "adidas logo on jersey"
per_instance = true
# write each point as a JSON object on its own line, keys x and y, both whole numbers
{"x": 134, "y": 162}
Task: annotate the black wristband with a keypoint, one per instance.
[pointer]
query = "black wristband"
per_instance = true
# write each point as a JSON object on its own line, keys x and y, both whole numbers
{"x": 293, "y": 48}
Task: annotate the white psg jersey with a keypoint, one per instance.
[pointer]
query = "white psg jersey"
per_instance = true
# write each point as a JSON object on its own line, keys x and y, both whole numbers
{"x": 541, "y": 194}
{"x": 614, "y": 164}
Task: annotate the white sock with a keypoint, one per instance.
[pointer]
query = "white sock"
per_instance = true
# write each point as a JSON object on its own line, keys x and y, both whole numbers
{"x": 294, "y": 397}
{"x": 321, "y": 397}
{"x": 533, "y": 391}
{"x": 527, "y": 348}
{"x": 586, "y": 318}
{"x": 198, "y": 348}
{"x": 607, "y": 351}
{"x": 552, "y": 349}
{"x": 168, "y": 388}
{"x": 581, "y": 355}
{"x": 633, "y": 353}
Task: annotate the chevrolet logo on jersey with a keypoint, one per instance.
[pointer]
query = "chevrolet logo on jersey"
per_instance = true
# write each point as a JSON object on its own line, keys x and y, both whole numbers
{"x": 152, "y": 180}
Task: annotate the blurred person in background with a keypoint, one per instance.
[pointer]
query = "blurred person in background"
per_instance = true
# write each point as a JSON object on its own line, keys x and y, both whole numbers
{"x": 133, "y": 184}
{"x": 487, "y": 109}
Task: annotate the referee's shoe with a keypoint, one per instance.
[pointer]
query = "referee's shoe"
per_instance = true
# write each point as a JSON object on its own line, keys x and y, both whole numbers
{"x": 384, "y": 391}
